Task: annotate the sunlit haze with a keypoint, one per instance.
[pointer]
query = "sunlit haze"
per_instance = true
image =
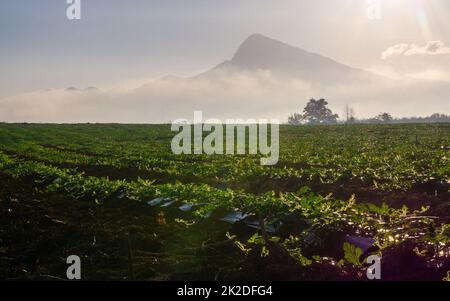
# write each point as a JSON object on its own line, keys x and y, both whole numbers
{"x": 125, "y": 49}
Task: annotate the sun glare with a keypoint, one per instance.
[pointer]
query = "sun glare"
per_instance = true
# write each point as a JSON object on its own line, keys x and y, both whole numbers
{"x": 422, "y": 19}
{"x": 421, "y": 9}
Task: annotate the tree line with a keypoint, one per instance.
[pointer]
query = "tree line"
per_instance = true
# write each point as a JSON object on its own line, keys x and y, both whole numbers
{"x": 317, "y": 112}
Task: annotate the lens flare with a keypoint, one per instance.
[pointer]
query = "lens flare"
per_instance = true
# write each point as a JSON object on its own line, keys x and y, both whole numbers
{"x": 423, "y": 19}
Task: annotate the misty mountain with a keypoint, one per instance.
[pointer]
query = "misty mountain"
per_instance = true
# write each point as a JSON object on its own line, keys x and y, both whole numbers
{"x": 265, "y": 78}
{"x": 74, "y": 89}
{"x": 91, "y": 89}
{"x": 259, "y": 52}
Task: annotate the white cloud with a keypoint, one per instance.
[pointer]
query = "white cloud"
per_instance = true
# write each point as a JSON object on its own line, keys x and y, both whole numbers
{"x": 431, "y": 48}
{"x": 394, "y": 51}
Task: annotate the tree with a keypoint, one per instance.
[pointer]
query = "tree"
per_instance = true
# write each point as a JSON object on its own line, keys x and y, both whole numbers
{"x": 295, "y": 119}
{"x": 317, "y": 112}
{"x": 349, "y": 114}
{"x": 437, "y": 117}
{"x": 385, "y": 117}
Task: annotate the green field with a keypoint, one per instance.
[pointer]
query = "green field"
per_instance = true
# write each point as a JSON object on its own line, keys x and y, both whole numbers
{"x": 116, "y": 196}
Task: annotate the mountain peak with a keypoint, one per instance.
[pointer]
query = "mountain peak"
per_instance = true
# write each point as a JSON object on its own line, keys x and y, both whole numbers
{"x": 257, "y": 44}
{"x": 257, "y": 37}
{"x": 259, "y": 52}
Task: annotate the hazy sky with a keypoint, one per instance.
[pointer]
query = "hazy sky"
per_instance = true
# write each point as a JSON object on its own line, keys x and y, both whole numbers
{"x": 127, "y": 41}
{"x": 118, "y": 40}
